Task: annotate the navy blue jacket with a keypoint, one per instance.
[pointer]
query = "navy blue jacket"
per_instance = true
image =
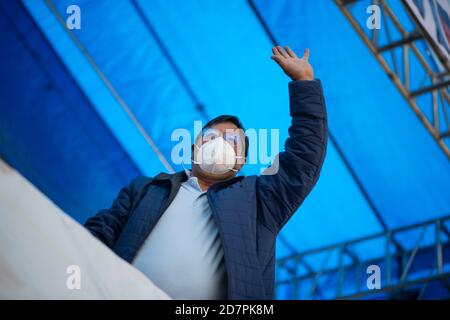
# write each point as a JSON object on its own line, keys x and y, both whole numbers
{"x": 249, "y": 211}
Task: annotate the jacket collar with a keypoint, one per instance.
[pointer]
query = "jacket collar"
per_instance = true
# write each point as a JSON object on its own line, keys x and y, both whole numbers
{"x": 182, "y": 176}
{"x": 174, "y": 177}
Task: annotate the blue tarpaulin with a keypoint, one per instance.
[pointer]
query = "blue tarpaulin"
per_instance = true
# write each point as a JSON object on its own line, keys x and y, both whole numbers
{"x": 74, "y": 105}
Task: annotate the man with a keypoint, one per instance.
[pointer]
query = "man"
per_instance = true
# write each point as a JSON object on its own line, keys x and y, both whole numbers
{"x": 207, "y": 233}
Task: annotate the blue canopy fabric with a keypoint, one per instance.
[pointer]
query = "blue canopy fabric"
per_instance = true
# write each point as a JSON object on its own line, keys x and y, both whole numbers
{"x": 67, "y": 98}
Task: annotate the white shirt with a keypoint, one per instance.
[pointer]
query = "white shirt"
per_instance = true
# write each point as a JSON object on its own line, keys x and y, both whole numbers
{"x": 183, "y": 253}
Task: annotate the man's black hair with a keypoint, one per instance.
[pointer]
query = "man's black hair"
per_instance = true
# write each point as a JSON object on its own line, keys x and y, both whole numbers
{"x": 227, "y": 118}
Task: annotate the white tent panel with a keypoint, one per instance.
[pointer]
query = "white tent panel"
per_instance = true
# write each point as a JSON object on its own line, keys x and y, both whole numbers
{"x": 45, "y": 254}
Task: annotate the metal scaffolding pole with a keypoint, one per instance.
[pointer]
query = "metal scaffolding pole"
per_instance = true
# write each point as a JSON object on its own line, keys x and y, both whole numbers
{"x": 427, "y": 260}
{"x": 437, "y": 89}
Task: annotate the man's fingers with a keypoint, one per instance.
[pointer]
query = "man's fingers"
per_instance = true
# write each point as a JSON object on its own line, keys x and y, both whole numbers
{"x": 277, "y": 52}
{"x": 277, "y": 58}
{"x": 306, "y": 54}
{"x": 282, "y": 52}
{"x": 290, "y": 52}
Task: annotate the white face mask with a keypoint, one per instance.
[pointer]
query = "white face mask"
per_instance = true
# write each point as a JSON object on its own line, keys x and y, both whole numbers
{"x": 216, "y": 156}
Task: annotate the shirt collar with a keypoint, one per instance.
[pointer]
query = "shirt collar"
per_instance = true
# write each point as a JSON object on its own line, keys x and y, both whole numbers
{"x": 193, "y": 181}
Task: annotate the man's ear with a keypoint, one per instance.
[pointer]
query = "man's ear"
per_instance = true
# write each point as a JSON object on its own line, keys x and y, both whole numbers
{"x": 240, "y": 163}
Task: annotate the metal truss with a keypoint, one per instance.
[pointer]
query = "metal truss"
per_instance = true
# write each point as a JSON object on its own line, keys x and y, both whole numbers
{"x": 341, "y": 271}
{"x": 430, "y": 99}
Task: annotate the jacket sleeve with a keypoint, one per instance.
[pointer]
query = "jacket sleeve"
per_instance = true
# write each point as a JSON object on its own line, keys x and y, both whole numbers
{"x": 107, "y": 224}
{"x": 295, "y": 171}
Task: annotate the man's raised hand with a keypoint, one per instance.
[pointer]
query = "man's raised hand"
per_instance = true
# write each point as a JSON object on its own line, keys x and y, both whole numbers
{"x": 296, "y": 68}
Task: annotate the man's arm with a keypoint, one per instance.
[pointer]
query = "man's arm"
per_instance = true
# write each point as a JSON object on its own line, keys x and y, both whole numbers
{"x": 297, "y": 169}
{"x": 107, "y": 224}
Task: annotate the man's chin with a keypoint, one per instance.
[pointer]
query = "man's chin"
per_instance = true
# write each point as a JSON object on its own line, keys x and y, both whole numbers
{"x": 218, "y": 177}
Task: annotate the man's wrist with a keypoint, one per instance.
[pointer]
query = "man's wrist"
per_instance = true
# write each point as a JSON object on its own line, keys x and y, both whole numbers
{"x": 302, "y": 78}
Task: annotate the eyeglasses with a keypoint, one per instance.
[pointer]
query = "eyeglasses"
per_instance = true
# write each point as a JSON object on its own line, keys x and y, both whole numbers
{"x": 233, "y": 137}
